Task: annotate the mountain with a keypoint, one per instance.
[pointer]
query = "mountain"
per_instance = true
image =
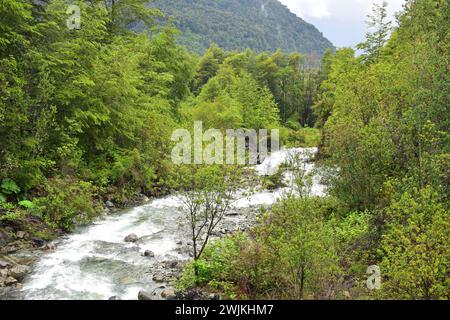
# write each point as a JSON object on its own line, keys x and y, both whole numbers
{"x": 262, "y": 25}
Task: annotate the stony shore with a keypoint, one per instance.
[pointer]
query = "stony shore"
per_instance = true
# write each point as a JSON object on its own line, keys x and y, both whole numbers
{"x": 166, "y": 272}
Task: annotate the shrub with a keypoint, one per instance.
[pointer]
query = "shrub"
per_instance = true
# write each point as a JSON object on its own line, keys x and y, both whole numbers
{"x": 291, "y": 255}
{"x": 415, "y": 247}
{"x": 274, "y": 181}
{"x": 217, "y": 267}
{"x": 68, "y": 202}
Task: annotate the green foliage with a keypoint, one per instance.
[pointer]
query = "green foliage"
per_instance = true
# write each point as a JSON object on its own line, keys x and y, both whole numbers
{"x": 384, "y": 136}
{"x": 274, "y": 181}
{"x": 206, "y": 200}
{"x": 9, "y": 187}
{"x": 383, "y": 119}
{"x": 67, "y": 203}
{"x": 99, "y": 104}
{"x": 376, "y": 40}
{"x": 291, "y": 255}
{"x": 12, "y": 215}
{"x": 415, "y": 247}
{"x": 216, "y": 267}
{"x": 27, "y": 204}
{"x": 253, "y": 90}
{"x": 303, "y": 137}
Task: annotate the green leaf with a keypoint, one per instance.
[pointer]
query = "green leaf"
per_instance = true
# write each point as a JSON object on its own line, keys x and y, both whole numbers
{"x": 26, "y": 204}
{"x": 9, "y": 187}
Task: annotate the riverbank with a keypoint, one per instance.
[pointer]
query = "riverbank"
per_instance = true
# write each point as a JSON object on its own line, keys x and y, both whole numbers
{"x": 24, "y": 241}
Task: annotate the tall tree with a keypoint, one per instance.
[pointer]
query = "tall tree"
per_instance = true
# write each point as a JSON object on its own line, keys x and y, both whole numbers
{"x": 379, "y": 30}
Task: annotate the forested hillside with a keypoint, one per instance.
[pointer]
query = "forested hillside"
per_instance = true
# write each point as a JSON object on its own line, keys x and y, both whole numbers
{"x": 262, "y": 25}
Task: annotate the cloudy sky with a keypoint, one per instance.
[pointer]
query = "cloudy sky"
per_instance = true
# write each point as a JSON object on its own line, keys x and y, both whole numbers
{"x": 341, "y": 21}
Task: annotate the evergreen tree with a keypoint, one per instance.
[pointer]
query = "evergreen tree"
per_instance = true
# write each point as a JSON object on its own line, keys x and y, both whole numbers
{"x": 379, "y": 34}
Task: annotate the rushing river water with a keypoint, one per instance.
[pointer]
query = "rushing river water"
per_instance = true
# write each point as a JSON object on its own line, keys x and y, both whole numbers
{"x": 95, "y": 262}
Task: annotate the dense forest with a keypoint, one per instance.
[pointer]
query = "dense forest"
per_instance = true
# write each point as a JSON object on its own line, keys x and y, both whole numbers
{"x": 87, "y": 114}
{"x": 262, "y": 25}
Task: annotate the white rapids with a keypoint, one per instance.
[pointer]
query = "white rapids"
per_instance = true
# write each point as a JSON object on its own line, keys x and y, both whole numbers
{"x": 94, "y": 262}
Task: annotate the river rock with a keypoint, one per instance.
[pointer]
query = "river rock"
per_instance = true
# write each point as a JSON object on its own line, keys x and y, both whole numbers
{"x": 109, "y": 204}
{"x": 144, "y": 295}
{"x": 172, "y": 264}
{"x": 4, "y": 264}
{"x": 50, "y": 247}
{"x": 214, "y": 296}
{"x": 149, "y": 253}
{"x": 26, "y": 258}
{"x": 18, "y": 271}
{"x": 38, "y": 242}
{"x": 21, "y": 234}
{"x": 158, "y": 277}
{"x": 10, "y": 281}
{"x": 131, "y": 238}
{"x": 3, "y": 276}
{"x": 143, "y": 198}
{"x": 193, "y": 294}
{"x": 168, "y": 294}
{"x": 4, "y": 237}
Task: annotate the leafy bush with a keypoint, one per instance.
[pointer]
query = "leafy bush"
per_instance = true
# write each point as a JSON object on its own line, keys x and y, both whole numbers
{"x": 7, "y": 188}
{"x": 26, "y": 204}
{"x": 67, "y": 203}
{"x": 291, "y": 255}
{"x": 216, "y": 267}
{"x": 12, "y": 215}
{"x": 274, "y": 181}
{"x": 415, "y": 247}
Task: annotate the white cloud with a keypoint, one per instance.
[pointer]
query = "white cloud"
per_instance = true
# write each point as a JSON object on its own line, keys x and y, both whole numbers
{"x": 309, "y": 8}
{"x": 342, "y": 21}
{"x": 336, "y": 8}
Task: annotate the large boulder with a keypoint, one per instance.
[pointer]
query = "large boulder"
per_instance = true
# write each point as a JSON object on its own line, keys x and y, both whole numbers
{"x": 109, "y": 204}
{"x": 18, "y": 271}
{"x": 4, "y": 264}
{"x": 144, "y": 295}
{"x": 131, "y": 238}
{"x": 158, "y": 277}
{"x": 149, "y": 253}
{"x": 10, "y": 281}
{"x": 168, "y": 294}
{"x": 21, "y": 234}
{"x": 38, "y": 242}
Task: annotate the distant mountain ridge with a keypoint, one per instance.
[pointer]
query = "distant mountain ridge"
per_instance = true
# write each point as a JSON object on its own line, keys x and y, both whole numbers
{"x": 262, "y": 25}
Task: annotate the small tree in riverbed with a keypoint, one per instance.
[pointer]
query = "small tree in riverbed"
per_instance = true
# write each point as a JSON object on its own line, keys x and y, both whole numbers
{"x": 207, "y": 197}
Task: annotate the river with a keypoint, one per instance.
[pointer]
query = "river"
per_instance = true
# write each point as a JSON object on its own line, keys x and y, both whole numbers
{"x": 95, "y": 262}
